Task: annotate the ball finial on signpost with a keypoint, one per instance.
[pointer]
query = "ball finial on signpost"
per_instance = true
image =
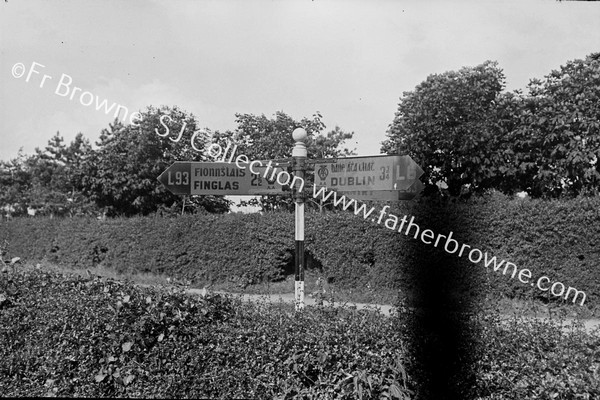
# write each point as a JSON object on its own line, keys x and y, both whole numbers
{"x": 300, "y": 137}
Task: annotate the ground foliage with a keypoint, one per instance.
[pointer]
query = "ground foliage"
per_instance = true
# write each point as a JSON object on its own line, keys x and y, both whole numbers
{"x": 71, "y": 336}
{"x": 533, "y": 359}
{"x": 509, "y": 358}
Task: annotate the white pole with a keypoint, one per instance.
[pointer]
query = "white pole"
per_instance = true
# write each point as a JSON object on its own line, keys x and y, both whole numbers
{"x": 299, "y": 154}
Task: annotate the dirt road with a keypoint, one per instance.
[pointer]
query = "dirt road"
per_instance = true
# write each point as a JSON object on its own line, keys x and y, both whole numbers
{"x": 386, "y": 309}
{"x": 309, "y": 301}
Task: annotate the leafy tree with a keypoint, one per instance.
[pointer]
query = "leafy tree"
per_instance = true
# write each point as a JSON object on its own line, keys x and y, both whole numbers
{"x": 49, "y": 180}
{"x": 120, "y": 177}
{"x": 261, "y": 138}
{"x": 445, "y": 125}
{"x": 15, "y": 181}
{"x": 56, "y": 176}
{"x": 330, "y": 144}
{"x": 556, "y": 142}
{"x": 469, "y": 135}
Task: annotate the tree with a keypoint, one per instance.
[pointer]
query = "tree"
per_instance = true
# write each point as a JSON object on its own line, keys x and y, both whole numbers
{"x": 445, "y": 125}
{"x": 120, "y": 177}
{"x": 466, "y": 133}
{"x": 261, "y": 138}
{"x": 557, "y": 136}
{"x": 15, "y": 180}
{"x": 56, "y": 177}
{"x": 49, "y": 180}
{"x": 330, "y": 144}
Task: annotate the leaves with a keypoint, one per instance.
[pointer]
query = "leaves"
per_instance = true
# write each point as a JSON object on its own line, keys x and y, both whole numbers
{"x": 120, "y": 176}
{"x": 48, "y": 182}
{"x": 240, "y": 349}
{"x": 212, "y": 352}
{"x": 466, "y": 133}
{"x": 262, "y": 138}
{"x": 562, "y": 122}
{"x": 445, "y": 121}
{"x": 128, "y": 379}
{"x": 100, "y": 377}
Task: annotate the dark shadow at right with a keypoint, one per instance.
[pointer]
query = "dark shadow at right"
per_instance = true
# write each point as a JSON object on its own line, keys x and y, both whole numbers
{"x": 439, "y": 305}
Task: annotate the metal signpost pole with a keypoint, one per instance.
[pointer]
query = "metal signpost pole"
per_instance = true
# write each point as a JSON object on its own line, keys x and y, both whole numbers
{"x": 299, "y": 154}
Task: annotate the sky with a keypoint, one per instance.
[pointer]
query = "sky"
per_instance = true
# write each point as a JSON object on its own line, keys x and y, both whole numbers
{"x": 349, "y": 60}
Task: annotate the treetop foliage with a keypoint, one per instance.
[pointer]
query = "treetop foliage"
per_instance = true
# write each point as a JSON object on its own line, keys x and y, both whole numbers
{"x": 118, "y": 176}
{"x": 470, "y": 136}
{"x": 261, "y": 138}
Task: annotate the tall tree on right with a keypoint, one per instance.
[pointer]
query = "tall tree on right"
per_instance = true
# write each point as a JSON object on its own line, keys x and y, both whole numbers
{"x": 556, "y": 140}
{"x": 445, "y": 125}
{"x": 466, "y": 133}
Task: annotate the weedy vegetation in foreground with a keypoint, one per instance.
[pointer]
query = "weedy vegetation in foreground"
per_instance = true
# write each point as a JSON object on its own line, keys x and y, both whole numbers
{"x": 72, "y": 336}
{"x": 66, "y": 335}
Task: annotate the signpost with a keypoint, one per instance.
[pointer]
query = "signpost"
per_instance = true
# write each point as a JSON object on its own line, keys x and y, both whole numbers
{"x": 388, "y": 178}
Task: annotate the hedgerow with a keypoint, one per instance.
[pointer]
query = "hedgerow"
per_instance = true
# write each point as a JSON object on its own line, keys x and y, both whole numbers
{"x": 556, "y": 238}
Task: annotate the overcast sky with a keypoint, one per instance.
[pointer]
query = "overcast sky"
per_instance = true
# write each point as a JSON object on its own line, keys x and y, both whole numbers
{"x": 350, "y": 60}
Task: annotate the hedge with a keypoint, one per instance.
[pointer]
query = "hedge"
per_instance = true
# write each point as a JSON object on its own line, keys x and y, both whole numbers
{"x": 557, "y": 238}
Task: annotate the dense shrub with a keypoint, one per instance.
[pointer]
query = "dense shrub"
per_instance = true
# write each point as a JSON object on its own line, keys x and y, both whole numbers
{"x": 510, "y": 359}
{"x": 558, "y": 238}
{"x": 533, "y": 359}
{"x": 70, "y": 336}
